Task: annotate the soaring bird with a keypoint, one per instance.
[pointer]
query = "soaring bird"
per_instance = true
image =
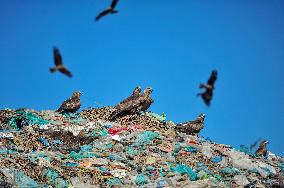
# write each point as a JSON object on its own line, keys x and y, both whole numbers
{"x": 134, "y": 104}
{"x": 262, "y": 150}
{"x": 59, "y": 63}
{"x": 191, "y": 127}
{"x": 110, "y": 10}
{"x": 209, "y": 87}
{"x": 72, "y": 104}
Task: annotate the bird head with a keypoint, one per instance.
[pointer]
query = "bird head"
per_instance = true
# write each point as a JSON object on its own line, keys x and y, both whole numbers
{"x": 202, "y": 115}
{"x": 148, "y": 91}
{"x": 55, "y": 49}
{"x": 264, "y": 143}
{"x": 77, "y": 94}
{"x": 214, "y": 72}
{"x": 137, "y": 90}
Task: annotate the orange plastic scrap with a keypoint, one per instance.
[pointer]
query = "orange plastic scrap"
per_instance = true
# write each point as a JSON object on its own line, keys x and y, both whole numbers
{"x": 86, "y": 164}
{"x": 192, "y": 142}
{"x": 168, "y": 148}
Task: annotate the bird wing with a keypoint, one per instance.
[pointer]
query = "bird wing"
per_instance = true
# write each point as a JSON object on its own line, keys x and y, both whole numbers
{"x": 102, "y": 14}
{"x": 65, "y": 71}
{"x": 114, "y": 3}
{"x": 212, "y": 79}
{"x": 57, "y": 57}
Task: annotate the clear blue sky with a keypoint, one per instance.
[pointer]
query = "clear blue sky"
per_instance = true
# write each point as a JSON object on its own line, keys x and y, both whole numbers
{"x": 171, "y": 45}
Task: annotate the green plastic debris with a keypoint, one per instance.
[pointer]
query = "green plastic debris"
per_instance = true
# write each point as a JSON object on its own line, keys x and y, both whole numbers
{"x": 30, "y": 118}
{"x": 113, "y": 181}
{"x": 229, "y": 171}
{"x": 82, "y": 155}
{"x": 145, "y": 138}
{"x": 55, "y": 179}
{"x": 183, "y": 169}
{"x": 161, "y": 118}
{"x": 141, "y": 179}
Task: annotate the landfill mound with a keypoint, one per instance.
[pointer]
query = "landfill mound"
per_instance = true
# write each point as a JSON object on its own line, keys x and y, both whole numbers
{"x": 49, "y": 149}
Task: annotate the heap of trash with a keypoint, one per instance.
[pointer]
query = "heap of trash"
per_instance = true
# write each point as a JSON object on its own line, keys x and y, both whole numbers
{"x": 86, "y": 149}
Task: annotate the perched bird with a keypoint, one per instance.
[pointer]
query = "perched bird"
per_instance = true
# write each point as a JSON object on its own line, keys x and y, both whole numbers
{"x": 209, "y": 87}
{"x": 145, "y": 100}
{"x": 262, "y": 150}
{"x": 110, "y": 10}
{"x": 72, "y": 104}
{"x": 191, "y": 127}
{"x": 136, "y": 93}
{"x": 59, "y": 63}
{"x": 133, "y": 104}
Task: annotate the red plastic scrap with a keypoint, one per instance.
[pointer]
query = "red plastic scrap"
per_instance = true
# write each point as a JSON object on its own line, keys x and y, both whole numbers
{"x": 114, "y": 131}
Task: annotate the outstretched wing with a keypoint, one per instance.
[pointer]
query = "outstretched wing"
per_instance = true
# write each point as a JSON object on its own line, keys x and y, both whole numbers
{"x": 114, "y": 3}
{"x": 212, "y": 78}
{"x": 102, "y": 14}
{"x": 57, "y": 57}
{"x": 65, "y": 71}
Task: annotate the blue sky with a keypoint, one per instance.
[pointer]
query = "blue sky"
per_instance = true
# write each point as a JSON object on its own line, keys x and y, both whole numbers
{"x": 169, "y": 45}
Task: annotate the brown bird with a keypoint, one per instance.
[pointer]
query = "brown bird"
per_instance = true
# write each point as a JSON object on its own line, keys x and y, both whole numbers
{"x": 59, "y": 63}
{"x": 136, "y": 93}
{"x": 262, "y": 150}
{"x": 191, "y": 127}
{"x": 209, "y": 87}
{"x": 72, "y": 104}
{"x": 110, "y": 10}
{"x": 134, "y": 105}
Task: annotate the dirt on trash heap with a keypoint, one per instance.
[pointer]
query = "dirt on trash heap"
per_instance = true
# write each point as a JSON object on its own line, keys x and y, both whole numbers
{"x": 48, "y": 149}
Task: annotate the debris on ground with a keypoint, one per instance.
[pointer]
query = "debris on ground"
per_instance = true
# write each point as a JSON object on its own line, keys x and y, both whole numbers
{"x": 50, "y": 149}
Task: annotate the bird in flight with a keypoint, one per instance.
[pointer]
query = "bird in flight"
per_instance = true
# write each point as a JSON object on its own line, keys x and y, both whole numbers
{"x": 59, "y": 63}
{"x": 72, "y": 104}
{"x": 209, "y": 87}
{"x": 110, "y": 10}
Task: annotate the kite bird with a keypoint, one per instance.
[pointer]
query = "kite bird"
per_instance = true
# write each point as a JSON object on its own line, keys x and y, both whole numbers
{"x": 59, "y": 63}
{"x": 191, "y": 127}
{"x": 110, "y": 10}
{"x": 262, "y": 150}
{"x": 135, "y": 103}
{"x": 72, "y": 104}
{"x": 209, "y": 87}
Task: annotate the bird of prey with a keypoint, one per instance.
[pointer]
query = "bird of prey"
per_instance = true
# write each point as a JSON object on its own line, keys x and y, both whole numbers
{"x": 136, "y": 93}
{"x": 59, "y": 63}
{"x": 262, "y": 150}
{"x": 133, "y": 105}
{"x": 209, "y": 87}
{"x": 72, "y": 104}
{"x": 191, "y": 127}
{"x": 110, "y": 10}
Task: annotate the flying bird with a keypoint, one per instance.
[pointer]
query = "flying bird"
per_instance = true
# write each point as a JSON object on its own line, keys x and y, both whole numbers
{"x": 110, "y": 10}
{"x": 72, "y": 104}
{"x": 191, "y": 127}
{"x": 262, "y": 150}
{"x": 209, "y": 87}
{"x": 134, "y": 104}
{"x": 59, "y": 63}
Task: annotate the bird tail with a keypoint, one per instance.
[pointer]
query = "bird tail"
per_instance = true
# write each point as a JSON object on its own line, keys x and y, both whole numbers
{"x": 52, "y": 69}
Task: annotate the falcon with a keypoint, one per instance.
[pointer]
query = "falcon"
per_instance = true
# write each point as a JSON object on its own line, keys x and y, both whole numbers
{"x": 262, "y": 150}
{"x": 72, "y": 104}
{"x": 59, "y": 63}
{"x": 134, "y": 105}
{"x": 209, "y": 87}
{"x": 191, "y": 127}
{"x": 110, "y": 10}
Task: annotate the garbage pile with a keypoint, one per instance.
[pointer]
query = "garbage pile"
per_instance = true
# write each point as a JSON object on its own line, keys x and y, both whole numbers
{"x": 49, "y": 149}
